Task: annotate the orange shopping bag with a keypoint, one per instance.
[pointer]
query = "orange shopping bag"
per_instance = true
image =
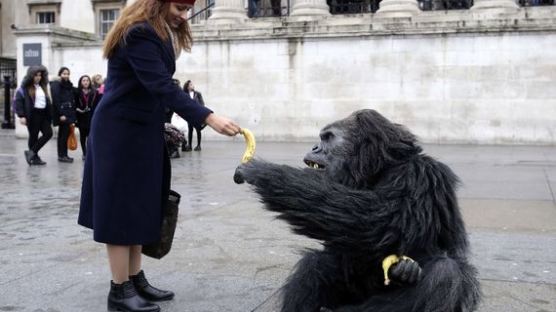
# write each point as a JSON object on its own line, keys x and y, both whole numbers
{"x": 72, "y": 140}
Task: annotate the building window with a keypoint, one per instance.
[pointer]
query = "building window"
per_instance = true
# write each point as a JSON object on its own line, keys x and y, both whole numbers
{"x": 46, "y": 18}
{"x": 107, "y": 18}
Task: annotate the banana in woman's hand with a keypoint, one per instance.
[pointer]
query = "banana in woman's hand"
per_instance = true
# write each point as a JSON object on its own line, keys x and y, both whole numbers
{"x": 249, "y": 145}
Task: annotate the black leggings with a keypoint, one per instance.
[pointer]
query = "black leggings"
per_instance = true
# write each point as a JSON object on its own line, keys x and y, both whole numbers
{"x": 190, "y": 134}
{"x": 38, "y": 123}
{"x": 63, "y": 134}
{"x": 83, "y": 134}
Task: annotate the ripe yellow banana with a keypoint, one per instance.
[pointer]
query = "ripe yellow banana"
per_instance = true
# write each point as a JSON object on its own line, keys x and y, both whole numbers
{"x": 249, "y": 145}
{"x": 388, "y": 262}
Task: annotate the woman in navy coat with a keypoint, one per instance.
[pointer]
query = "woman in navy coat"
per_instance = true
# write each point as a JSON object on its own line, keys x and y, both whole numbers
{"x": 127, "y": 170}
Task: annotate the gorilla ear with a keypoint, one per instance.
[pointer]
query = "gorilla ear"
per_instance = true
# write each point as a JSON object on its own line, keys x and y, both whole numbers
{"x": 367, "y": 161}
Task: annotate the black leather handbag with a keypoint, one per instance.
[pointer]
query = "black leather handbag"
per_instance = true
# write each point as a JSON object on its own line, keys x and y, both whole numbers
{"x": 169, "y": 221}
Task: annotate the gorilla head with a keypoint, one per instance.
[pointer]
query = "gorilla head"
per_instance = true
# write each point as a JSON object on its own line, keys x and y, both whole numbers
{"x": 355, "y": 150}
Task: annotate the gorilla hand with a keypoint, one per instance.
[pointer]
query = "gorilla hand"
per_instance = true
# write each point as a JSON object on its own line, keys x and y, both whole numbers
{"x": 245, "y": 172}
{"x": 405, "y": 272}
{"x": 238, "y": 175}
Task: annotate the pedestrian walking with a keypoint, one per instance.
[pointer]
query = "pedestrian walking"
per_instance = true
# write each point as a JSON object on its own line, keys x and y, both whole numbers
{"x": 33, "y": 106}
{"x": 127, "y": 169}
{"x": 189, "y": 88}
{"x": 86, "y": 100}
{"x": 64, "y": 113}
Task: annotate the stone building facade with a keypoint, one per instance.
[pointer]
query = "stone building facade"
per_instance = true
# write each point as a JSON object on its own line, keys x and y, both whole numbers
{"x": 484, "y": 75}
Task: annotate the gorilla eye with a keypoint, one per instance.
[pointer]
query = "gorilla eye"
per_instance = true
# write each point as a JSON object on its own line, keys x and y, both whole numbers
{"x": 326, "y": 136}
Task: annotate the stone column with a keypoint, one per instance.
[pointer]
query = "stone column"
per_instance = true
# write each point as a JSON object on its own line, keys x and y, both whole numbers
{"x": 397, "y": 8}
{"x": 310, "y": 8}
{"x": 494, "y": 6}
{"x": 228, "y": 12}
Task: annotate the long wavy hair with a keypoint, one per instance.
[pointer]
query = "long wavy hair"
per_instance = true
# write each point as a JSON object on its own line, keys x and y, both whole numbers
{"x": 80, "y": 82}
{"x": 152, "y": 12}
{"x": 186, "y": 86}
{"x": 29, "y": 84}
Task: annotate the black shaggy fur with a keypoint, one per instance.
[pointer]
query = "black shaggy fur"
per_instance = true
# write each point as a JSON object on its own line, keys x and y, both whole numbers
{"x": 374, "y": 194}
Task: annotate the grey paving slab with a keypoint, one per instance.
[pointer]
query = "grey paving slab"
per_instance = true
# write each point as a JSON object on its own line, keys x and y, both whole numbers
{"x": 231, "y": 255}
{"x": 533, "y": 190}
{"x": 510, "y": 215}
{"x": 518, "y": 297}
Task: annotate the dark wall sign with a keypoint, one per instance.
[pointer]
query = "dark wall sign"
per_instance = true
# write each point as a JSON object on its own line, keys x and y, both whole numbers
{"x": 32, "y": 54}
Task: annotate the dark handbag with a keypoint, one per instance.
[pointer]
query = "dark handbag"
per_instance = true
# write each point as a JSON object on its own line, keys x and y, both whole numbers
{"x": 169, "y": 221}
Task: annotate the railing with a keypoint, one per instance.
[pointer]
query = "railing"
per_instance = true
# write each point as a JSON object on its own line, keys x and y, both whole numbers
{"x": 8, "y": 81}
{"x": 277, "y": 8}
{"x": 352, "y": 6}
{"x": 8, "y": 67}
{"x": 201, "y": 15}
{"x": 6, "y": 103}
{"x": 371, "y": 6}
{"x": 526, "y": 3}
{"x": 268, "y": 8}
{"x": 438, "y": 5}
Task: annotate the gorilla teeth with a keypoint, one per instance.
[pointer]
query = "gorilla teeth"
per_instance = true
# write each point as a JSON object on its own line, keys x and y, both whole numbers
{"x": 314, "y": 165}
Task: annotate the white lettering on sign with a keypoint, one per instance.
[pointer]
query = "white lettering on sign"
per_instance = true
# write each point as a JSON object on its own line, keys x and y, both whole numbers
{"x": 31, "y": 53}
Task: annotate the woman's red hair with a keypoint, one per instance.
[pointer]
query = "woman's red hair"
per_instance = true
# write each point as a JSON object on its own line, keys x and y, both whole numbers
{"x": 152, "y": 12}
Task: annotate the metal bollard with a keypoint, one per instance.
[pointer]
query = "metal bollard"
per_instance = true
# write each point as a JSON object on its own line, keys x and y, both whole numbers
{"x": 8, "y": 123}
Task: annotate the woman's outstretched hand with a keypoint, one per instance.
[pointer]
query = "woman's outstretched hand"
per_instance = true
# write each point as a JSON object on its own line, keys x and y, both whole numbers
{"x": 222, "y": 125}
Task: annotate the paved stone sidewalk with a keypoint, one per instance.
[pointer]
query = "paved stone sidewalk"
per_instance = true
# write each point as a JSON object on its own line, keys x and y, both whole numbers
{"x": 231, "y": 255}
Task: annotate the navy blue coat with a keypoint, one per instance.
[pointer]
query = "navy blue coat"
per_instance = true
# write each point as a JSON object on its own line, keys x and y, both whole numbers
{"x": 127, "y": 172}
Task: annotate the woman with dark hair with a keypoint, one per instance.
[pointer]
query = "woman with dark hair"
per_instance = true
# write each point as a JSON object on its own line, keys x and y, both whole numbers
{"x": 63, "y": 100}
{"x": 33, "y": 106}
{"x": 189, "y": 88}
{"x": 127, "y": 170}
{"x": 86, "y": 100}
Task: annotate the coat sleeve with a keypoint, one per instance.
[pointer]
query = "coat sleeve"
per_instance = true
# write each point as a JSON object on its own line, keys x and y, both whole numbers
{"x": 55, "y": 110}
{"x": 20, "y": 103}
{"x": 144, "y": 50}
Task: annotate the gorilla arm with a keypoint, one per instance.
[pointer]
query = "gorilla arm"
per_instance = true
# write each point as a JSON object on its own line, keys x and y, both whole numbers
{"x": 316, "y": 207}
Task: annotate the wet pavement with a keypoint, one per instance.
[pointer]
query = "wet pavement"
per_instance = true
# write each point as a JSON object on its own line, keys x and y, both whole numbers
{"x": 231, "y": 255}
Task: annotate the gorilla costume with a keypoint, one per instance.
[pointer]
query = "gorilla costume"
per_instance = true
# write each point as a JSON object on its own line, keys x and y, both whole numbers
{"x": 369, "y": 192}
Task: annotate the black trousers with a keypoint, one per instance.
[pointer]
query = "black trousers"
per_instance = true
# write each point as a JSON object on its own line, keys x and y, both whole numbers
{"x": 38, "y": 122}
{"x": 63, "y": 134}
{"x": 83, "y": 134}
{"x": 83, "y": 123}
{"x": 190, "y": 134}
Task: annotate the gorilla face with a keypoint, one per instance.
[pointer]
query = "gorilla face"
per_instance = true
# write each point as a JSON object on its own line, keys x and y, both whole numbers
{"x": 331, "y": 154}
{"x": 327, "y": 155}
{"x": 353, "y": 151}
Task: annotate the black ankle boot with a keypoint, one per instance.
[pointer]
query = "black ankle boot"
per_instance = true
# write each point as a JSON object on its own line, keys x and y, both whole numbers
{"x": 124, "y": 297}
{"x": 29, "y": 155}
{"x": 145, "y": 290}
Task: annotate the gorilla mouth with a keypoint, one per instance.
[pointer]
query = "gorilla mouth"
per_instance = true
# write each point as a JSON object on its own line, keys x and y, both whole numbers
{"x": 314, "y": 165}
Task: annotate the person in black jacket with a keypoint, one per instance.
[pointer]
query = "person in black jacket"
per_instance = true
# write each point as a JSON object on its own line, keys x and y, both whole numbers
{"x": 63, "y": 100}
{"x": 86, "y": 100}
{"x": 33, "y": 106}
{"x": 189, "y": 88}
